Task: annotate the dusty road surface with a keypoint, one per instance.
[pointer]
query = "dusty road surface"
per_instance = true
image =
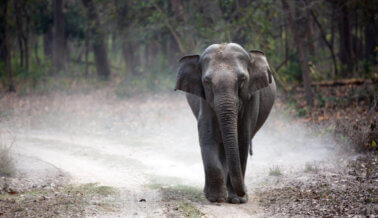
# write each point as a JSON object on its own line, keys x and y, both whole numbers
{"x": 147, "y": 147}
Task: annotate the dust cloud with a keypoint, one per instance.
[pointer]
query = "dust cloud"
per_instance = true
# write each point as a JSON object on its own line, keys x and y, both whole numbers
{"x": 139, "y": 141}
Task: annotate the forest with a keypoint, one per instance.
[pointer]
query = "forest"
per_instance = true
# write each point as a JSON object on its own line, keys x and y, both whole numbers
{"x": 138, "y": 43}
{"x": 90, "y": 124}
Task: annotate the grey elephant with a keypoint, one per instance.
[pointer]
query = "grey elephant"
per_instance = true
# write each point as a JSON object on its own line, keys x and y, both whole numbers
{"x": 231, "y": 93}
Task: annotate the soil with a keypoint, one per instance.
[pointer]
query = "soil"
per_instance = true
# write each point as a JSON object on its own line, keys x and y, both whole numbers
{"x": 346, "y": 191}
{"x": 97, "y": 155}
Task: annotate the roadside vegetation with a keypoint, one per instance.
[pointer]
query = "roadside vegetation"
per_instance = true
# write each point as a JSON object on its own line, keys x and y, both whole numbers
{"x": 275, "y": 171}
{"x": 180, "y": 199}
{"x": 58, "y": 201}
{"x": 349, "y": 191}
{"x": 347, "y": 111}
{"x": 6, "y": 160}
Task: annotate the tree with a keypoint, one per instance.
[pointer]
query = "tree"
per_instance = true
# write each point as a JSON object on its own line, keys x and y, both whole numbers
{"x": 370, "y": 32}
{"x": 329, "y": 44}
{"x": 302, "y": 55}
{"x": 8, "y": 64}
{"x": 59, "y": 45}
{"x": 345, "y": 36}
{"x": 20, "y": 31}
{"x": 98, "y": 40}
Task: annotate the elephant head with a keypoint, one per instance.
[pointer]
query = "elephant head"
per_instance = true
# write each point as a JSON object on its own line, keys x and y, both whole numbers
{"x": 225, "y": 76}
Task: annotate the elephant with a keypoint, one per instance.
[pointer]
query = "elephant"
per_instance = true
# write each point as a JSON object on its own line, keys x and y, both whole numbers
{"x": 231, "y": 93}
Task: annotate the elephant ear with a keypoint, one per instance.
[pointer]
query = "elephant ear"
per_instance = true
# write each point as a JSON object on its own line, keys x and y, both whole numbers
{"x": 260, "y": 75}
{"x": 189, "y": 76}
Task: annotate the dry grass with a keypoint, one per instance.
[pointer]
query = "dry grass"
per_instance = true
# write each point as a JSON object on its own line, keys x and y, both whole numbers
{"x": 347, "y": 111}
{"x": 275, "y": 171}
{"x": 6, "y": 161}
{"x": 60, "y": 201}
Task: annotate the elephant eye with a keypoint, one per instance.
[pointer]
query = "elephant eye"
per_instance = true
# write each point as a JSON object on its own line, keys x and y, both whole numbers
{"x": 242, "y": 79}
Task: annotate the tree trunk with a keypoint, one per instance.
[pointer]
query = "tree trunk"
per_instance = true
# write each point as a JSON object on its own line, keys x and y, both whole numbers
{"x": 114, "y": 43}
{"x": 345, "y": 42}
{"x": 26, "y": 36}
{"x": 310, "y": 33}
{"x": 37, "y": 59}
{"x": 98, "y": 40}
{"x": 47, "y": 43}
{"x": 3, "y": 52}
{"x": 336, "y": 72}
{"x": 130, "y": 55}
{"x": 20, "y": 31}
{"x": 356, "y": 45}
{"x": 86, "y": 44}
{"x": 8, "y": 61}
{"x": 26, "y": 44}
{"x": 58, "y": 48}
{"x": 302, "y": 55}
{"x": 370, "y": 37}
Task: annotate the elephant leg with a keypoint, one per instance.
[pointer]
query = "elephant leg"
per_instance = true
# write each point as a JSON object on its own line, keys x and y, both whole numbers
{"x": 215, "y": 179}
{"x": 215, "y": 188}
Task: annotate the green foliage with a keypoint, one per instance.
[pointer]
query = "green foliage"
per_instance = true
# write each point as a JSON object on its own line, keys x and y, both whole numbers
{"x": 75, "y": 22}
{"x": 41, "y": 16}
{"x": 302, "y": 111}
{"x": 292, "y": 72}
{"x": 154, "y": 29}
{"x": 320, "y": 100}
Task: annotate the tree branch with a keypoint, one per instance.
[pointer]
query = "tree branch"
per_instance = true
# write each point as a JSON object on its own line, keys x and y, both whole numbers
{"x": 329, "y": 45}
{"x": 173, "y": 31}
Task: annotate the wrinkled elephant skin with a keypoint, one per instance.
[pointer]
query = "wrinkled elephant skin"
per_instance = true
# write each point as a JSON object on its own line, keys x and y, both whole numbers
{"x": 231, "y": 93}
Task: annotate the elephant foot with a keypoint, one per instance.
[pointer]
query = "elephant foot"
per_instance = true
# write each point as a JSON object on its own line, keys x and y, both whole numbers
{"x": 233, "y": 198}
{"x": 216, "y": 194}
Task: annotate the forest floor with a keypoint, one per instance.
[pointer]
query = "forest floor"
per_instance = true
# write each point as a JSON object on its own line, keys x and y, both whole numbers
{"x": 97, "y": 155}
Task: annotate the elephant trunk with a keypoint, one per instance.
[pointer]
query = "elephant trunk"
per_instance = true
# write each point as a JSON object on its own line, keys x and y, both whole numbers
{"x": 226, "y": 108}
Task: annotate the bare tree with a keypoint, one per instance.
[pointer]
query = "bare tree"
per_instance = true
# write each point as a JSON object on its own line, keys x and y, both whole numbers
{"x": 302, "y": 55}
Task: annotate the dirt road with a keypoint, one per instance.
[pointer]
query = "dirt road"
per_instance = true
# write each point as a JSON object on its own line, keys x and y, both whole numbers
{"x": 148, "y": 148}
